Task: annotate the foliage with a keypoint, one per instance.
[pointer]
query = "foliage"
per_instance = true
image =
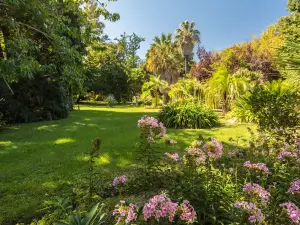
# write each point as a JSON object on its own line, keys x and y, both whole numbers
{"x": 187, "y": 114}
{"x": 164, "y": 58}
{"x": 34, "y": 100}
{"x": 243, "y": 109}
{"x": 204, "y": 69}
{"x": 93, "y": 217}
{"x": 187, "y": 36}
{"x": 275, "y": 105}
{"x": 223, "y": 89}
{"x": 186, "y": 88}
{"x": 110, "y": 100}
{"x": 154, "y": 88}
{"x": 42, "y": 45}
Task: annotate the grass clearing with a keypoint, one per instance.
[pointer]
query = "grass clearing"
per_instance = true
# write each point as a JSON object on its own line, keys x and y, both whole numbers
{"x": 44, "y": 159}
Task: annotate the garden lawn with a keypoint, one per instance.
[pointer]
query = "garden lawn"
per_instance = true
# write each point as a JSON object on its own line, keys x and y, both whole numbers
{"x": 45, "y": 159}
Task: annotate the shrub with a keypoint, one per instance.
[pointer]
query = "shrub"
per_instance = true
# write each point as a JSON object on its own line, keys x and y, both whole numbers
{"x": 187, "y": 114}
{"x": 272, "y": 105}
{"x": 110, "y": 100}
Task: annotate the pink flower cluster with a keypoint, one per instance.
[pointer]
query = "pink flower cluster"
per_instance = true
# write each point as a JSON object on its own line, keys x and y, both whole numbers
{"x": 286, "y": 155}
{"x": 125, "y": 213}
{"x": 173, "y": 157}
{"x": 121, "y": 179}
{"x": 151, "y": 127}
{"x": 214, "y": 149}
{"x": 257, "y": 166}
{"x": 195, "y": 156}
{"x": 293, "y": 212}
{"x": 255, "y": 214}
{"x": 160, "y": 206}
{"x": 256, "y": 189}
{"x": 187, "y": 212}
{"x": 295, "y": 186}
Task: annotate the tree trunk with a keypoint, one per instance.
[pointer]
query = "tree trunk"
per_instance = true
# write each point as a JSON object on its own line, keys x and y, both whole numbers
{"x": 225, "y": 108}
{"x": 186, "y": 64}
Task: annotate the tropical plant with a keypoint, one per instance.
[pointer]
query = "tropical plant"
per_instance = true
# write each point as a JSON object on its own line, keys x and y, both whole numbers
{"x": 164, "y": 58}
{"x": 93, "y": 217}
{"x": 223, "y": 89}
{"x": 187, "y": 114}
{"x": 187, "y": 88}
{"x": 187, "y": 36}
{"x": 154, "y": 87}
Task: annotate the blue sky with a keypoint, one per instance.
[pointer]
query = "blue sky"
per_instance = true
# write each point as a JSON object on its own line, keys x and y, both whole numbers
{"x": 222, "y": 23}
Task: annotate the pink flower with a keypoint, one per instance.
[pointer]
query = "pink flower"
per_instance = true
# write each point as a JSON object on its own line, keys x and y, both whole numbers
{"x": 160, "y": 206}
{"x": 195, "y": 156}
{"x": 286, "y": 155}
{"x": 214, "y": 149}
{"x": 125, "y": 213}
{"x": 151, "y": 128}
{"x": 257, "y": 166}
{"x": 187, "y": 212}
{"x": 174, "y": 156}
{"x": 255, "y": 214}
{"x": 293, "y": 212}
{"x": 121, "y": 179}
{"x": 295, "y": 186}
{"x": 256, "y": 189}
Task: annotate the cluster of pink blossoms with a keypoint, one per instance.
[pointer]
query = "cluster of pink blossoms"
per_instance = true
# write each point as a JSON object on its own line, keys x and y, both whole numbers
{"x": 151, "y": 127}
{"x": 195, "y": 156}
{"x": 257, "y": 190}
{"x": 255, "y": 214}
{"x": 214, "y": 149}
{"x": 125, "y": 213}
{"x": 187, "y": 212}
{"x": 295, "y": 187}
{"x": 293, "y": 212}
{"x": 286, "y": 155}
{"x": 173, "y": 157}
{"x": 121, "y": 179}
{"x": 160, "y": 206}
{"x": 257, "y": 166}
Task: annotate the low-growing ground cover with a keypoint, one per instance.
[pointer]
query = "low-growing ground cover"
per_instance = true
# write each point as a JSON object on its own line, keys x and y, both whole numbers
{"x": 45, "y": 159}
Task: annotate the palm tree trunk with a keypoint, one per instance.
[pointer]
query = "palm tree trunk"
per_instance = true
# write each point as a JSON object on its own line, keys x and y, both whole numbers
{"x": 186, "y": 64}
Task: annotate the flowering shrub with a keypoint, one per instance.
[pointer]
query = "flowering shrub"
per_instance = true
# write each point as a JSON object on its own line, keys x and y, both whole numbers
{"x": 255, "y": 214}
{"x": 295, "y": 187}
{"x": 125, "y": 212}
{"x": 160, "y": 206}
{"x": 256, "y": 189}
{"x": 257, "y": 166}
{"x": 121, "y": 179}
{"x": 214, "y": 149}
{"x": 293, "y": 212}
{"x": 195, "y": 156}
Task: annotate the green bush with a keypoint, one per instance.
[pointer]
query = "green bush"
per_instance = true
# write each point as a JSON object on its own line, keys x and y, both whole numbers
{"x": 188, "y": 114}
{"x": 110, "y": 100}
{"x": 272, "y": 105}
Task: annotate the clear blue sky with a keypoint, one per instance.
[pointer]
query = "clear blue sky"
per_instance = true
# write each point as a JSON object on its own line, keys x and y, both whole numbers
{"x": 222, "y": 23}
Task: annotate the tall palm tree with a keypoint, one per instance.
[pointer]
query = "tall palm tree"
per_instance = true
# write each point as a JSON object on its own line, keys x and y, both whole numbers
{"x": 163, "y": 58}
{"x": 187, "y": 36}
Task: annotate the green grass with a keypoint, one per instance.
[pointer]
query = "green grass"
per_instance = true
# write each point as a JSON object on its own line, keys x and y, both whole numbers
{"x": 45, "y": 159}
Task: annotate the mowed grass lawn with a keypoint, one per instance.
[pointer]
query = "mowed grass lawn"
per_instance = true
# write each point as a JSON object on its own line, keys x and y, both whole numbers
{"x": 45, "y": 159}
